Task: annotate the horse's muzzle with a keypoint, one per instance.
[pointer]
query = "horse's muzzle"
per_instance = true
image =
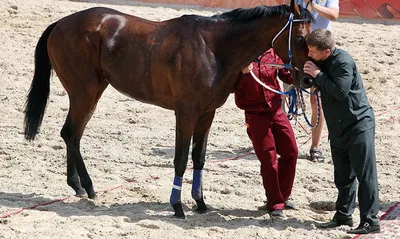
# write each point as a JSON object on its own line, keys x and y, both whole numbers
{"x": 307, "y": 81}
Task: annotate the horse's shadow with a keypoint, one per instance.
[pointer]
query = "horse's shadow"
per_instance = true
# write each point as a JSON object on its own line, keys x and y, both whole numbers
{"x": 167, "y": 156}
{"x": 145, "y": 213}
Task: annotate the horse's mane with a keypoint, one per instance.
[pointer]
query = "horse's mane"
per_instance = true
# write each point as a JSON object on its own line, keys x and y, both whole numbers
{"x": 244, "y": 15}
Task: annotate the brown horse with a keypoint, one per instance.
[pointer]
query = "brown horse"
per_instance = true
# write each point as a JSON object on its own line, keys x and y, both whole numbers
{"x": 189, "y": 64}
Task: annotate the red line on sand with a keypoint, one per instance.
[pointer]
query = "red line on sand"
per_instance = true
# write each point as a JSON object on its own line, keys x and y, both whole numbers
{"x": 33, "y": 207}
{"x": 383, "y": 217}
{"x": 6, "y": 215}
{"x": 384, "y": 112}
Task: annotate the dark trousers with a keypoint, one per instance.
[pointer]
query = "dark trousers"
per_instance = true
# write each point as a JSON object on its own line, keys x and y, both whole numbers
{"x": 272, "y": 135}
{"x": 356, "y": 159}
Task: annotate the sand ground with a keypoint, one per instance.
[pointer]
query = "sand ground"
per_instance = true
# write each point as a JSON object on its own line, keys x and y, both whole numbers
{"x": 126, "y": 140}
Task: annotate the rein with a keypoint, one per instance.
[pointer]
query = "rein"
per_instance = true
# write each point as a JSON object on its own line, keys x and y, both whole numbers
{"x": 293, "y": 94}
{"x": 303, "y": 107}
{"x": 294, "y": 105}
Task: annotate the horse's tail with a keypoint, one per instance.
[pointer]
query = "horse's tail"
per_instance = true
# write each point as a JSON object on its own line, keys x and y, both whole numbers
{"x": 40, "y": 87}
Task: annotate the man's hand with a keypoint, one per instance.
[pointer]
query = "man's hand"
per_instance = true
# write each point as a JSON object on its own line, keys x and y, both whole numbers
{"x": 311, "y": 69}
{"x": 309, "y": 4}
{"x": 247, "y": 69}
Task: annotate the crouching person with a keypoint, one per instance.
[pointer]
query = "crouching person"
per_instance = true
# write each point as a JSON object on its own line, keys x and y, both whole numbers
{"x": 269, "y": 130}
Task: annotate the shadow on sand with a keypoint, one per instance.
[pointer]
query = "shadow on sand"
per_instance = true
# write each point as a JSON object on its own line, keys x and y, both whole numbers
{"x": 137, "y": 212}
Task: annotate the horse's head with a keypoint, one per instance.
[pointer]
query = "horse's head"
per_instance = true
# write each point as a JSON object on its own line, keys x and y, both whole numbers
{"x": 292, "y": 46}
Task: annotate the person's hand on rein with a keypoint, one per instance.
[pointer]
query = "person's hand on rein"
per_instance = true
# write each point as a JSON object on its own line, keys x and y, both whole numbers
{"x": 309, "y": 4}
{"x": 247, "y": 69}
{"x": 311, "y": 69}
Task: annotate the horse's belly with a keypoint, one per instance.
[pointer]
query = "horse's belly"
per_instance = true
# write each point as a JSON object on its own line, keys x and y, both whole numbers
{"x": 143, "y": 94}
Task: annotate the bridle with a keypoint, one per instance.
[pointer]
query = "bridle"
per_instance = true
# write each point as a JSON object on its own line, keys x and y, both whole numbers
{"x": 286, "y": 66}
{"x": 290, "y": 24}
{"x": 292, "y": 93}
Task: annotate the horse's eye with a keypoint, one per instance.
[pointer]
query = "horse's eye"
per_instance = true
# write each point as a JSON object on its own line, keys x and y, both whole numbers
{"x": 300, "y": 39}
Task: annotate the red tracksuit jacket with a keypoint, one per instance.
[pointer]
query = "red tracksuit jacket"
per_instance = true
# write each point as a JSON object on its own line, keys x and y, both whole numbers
{"x": 251, "y": 96}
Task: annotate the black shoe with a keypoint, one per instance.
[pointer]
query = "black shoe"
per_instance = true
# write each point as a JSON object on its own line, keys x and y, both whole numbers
{"x": 276, "y": 213}
{"x": 365, "y": 228}
{"x": 290, "y": 205}
{"x": 336, "y": 223}
{"x": 262, "y": 208}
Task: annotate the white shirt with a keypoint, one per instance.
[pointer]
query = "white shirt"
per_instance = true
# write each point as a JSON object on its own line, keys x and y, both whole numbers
{"x": 320, "y": 21}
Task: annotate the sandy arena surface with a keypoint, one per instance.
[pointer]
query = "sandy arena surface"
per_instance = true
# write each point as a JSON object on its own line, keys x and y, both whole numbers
{"x": 126, "y": 140}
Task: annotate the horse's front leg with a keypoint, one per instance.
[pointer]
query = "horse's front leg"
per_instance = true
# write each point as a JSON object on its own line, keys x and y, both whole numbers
{"x": 185, "y": 121}
{"x": 200, "y": 137}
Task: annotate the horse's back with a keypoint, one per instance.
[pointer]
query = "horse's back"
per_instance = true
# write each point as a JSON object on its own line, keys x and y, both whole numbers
{"x": 154, "y": 62}
{"x": 104, "y": 23}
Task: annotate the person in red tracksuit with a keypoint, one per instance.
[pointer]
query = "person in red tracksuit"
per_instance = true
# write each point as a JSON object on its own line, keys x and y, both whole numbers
{"x": 269, "y": 130}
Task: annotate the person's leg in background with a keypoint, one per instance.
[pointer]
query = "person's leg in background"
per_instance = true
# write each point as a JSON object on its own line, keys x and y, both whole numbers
{"x": 316, "y": 133}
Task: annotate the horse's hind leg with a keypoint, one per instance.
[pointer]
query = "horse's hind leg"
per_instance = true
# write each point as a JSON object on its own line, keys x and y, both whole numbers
{"x": 83, "y": 101}
{"x": 200, "y": 137}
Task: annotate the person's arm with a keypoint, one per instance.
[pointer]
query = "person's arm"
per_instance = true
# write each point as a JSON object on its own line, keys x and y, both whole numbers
{"x": 241, "y": 77}
{"x": 247, "y": 69}
{"x": 283, "y": 74}
{"x": 330, "y": 12}
{"x": 337, "y": 85}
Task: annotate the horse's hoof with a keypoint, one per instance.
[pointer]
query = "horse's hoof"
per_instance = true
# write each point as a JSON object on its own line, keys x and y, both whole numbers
{"x": 79, "y": 191}
{"x": 179, "y": 211}
{"x": 180, "y": 216}
{"x": 81, "y": 195}
{"x": 201, "y": 210}
{"x": 201, "y": 206}
{"x": 91, "y": 194}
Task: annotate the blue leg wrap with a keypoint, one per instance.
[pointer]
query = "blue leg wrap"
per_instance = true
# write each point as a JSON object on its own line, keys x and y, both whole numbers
{"x": 176, "y": 191}
{"x": 197, "y": 189}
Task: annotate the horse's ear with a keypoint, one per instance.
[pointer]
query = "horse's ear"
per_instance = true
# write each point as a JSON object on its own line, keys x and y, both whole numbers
{"x": 295, "y": 9}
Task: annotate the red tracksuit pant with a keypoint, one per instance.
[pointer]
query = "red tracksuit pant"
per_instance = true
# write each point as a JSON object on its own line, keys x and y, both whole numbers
{"x": 272, "y": 135}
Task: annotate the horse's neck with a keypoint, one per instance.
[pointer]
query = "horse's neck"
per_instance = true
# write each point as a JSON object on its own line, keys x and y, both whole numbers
{"x": 240, "y": 44}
